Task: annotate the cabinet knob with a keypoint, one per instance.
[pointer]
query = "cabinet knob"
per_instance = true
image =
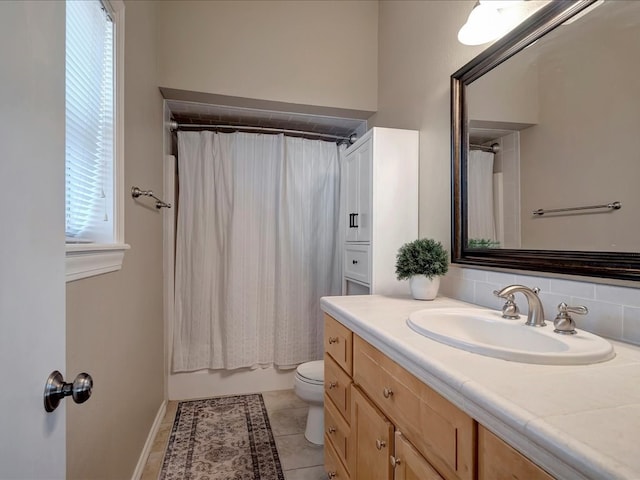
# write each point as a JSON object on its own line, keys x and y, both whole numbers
{"x": 333, "y": 340}
{"x": 387, "y": 392}
{"x": 395, "y": 461}
{"x": 331, "y": 475}
{"x": 380, "y": 444}
{"x": 332, "y": 385}
{"x": 354, "y": 262}
{"x": 331, "y": 430}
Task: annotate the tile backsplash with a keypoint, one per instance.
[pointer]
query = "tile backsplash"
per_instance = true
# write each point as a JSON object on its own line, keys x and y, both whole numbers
{"x": 614, "y": 312}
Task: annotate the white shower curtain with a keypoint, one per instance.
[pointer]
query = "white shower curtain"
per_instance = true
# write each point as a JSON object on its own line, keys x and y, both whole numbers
{"x": 256, "y": 249}
{"x": 481, "y": 223}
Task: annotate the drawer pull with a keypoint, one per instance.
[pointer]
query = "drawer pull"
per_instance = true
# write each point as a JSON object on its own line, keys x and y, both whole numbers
{"x": 355, "y": 262}
{"x": 331, "y": 475}
{"x": 331, "y": 430}
{"x": 380, "y": 444}
{"x": 395, "y": 461}
{"x": 387, "y": 392}
{"x": 333, "y": 385}
{"x": 333, "y": 340}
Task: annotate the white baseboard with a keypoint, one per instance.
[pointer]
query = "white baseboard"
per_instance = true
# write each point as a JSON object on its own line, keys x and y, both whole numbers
{"x": 146, "y": 450}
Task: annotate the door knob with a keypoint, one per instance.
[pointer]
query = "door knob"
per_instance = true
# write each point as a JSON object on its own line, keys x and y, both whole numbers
{"x": 56, "y": 389}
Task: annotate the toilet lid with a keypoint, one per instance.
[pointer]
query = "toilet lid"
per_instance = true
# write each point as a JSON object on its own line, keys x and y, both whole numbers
{"x": 312, "y": 371}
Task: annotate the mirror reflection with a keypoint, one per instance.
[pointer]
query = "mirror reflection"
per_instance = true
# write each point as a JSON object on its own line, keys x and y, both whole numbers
{"x": 557, "y": 127}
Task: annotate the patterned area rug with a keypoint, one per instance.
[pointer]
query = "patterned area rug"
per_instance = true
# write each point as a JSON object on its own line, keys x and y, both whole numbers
{"x": 222, "y": 438}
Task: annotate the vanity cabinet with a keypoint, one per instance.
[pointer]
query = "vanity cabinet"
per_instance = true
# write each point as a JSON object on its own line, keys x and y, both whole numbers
{"x": 383, "y": 423}
{"x": 380, "y": 205}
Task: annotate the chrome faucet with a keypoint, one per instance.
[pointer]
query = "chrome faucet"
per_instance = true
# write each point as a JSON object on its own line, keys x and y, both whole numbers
{"x": 535, "y": 314}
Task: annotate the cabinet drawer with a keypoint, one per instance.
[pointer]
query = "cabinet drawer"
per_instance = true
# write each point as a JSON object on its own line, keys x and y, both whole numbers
{"x": 499, "y": 461}
{"x": 337, "y": 386}
{"x": 338, "y": 343}
{"x": 332, "y": 464}
{"x": 356, "y": 262}
{"x": 440, "y": 431}
{"x": 337, "y": 430}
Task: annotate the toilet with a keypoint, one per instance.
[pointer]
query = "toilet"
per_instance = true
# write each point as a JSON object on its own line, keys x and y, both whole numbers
{"x": 309, "y": 386}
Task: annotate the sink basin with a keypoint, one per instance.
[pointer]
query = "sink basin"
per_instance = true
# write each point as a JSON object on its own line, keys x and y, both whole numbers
{"x": 485, "y": 332}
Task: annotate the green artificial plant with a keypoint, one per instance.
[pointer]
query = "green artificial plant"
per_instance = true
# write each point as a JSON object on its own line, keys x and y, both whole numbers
{"x": 424, "y": 256}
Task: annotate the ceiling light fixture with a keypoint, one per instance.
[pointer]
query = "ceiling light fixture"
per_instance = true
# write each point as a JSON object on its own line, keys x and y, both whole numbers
{"x": 491, "y": 19}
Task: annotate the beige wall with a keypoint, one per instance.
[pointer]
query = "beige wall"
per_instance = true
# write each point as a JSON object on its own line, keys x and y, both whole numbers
{"x": 314, "y": 52}
{"x": 584, "y": 151}
{"x": 114, "y": 321}
{"x": 419, "y": 51}
{"x": 508, "y": 93}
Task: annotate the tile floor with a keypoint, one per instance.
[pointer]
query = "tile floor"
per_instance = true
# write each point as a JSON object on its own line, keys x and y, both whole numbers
{"x": 300, "y": 459}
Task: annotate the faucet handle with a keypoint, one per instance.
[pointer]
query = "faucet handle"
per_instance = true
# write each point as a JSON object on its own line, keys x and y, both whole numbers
{"x": 563, "y": 322}
{"x": 509, "y": 310}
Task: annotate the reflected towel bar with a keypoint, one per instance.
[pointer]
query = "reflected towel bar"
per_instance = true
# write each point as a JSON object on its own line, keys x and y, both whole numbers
{"x": 136, "y": 192}
{"x": 610, "y": 206}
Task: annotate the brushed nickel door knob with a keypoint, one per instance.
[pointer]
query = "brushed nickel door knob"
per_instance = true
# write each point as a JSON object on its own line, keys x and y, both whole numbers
{"x": 56, "y": 389}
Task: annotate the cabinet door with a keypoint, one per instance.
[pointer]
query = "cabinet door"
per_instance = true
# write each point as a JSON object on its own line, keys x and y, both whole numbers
{"x": 357, "y": 178}
{"x": 499, "y": 461}
{"x": 365, "y": 180}
{"x": 371, "y": 441}
{"x": 409, "y": 464}
{"x": 351, "y": 181}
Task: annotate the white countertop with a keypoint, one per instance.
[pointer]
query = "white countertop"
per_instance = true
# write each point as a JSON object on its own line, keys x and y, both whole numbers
{"x": 579, "y": 421}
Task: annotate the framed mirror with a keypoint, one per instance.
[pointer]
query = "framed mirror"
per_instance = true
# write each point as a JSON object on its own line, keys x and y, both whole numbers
{"x": 546, "y": 145}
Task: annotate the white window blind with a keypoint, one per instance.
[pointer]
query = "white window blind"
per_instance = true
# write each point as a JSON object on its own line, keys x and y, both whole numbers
{"x": 89, "y": 122}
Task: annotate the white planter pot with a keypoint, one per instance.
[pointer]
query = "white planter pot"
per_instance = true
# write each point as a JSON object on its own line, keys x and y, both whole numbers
{"x": 424, "y": 288}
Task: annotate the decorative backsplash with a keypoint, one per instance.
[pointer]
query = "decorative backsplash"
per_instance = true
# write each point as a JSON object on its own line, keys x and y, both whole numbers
{"x": 614, "y": 312}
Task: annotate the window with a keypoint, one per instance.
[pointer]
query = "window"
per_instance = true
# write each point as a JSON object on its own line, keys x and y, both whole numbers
{"x": 93, "y": 164}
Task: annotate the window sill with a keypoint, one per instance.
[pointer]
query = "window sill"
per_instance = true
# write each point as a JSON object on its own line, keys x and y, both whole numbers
{"x": 89, "y": 260}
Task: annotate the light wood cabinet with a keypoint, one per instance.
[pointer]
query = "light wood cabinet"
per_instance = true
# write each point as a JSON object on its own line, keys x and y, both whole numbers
{"x": 383, "y": 423}
{"x": 499, "y": 461}
{"x": 380, "y": 179}
{"x": 338, "y": 368}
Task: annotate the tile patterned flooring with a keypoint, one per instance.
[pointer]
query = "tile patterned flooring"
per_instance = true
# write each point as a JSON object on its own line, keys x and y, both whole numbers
{"x": 300, "y": 459}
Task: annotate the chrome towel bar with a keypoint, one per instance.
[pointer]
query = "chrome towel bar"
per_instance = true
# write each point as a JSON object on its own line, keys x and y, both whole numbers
{"x": 610, "y": 206}
{"x": 136, "y": 192}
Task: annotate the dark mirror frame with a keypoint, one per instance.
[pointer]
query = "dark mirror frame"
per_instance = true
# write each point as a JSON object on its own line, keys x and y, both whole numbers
{"x": 623, "y": 266}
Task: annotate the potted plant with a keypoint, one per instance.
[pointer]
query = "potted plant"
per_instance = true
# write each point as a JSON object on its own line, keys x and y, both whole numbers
{"x": 423, "y": 262}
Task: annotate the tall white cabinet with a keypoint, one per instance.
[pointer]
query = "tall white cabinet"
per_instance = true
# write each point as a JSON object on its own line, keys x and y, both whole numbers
{"x": 380, "y": 178}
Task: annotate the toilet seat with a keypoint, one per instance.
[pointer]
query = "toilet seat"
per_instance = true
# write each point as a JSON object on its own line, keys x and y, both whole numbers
{"x": 311, "y": 372}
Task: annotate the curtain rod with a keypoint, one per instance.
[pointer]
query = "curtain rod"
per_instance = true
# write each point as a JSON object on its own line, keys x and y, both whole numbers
{"x": 173, "y": 125}
{"x": 494, "y": 148}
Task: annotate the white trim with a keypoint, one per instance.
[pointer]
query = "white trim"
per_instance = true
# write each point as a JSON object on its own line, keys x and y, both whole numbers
{"x": 118, "y": 161}
{"x": 146, "y": 450}
{"x": 87, "y": 260}
{"x": 168, "y": 261}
